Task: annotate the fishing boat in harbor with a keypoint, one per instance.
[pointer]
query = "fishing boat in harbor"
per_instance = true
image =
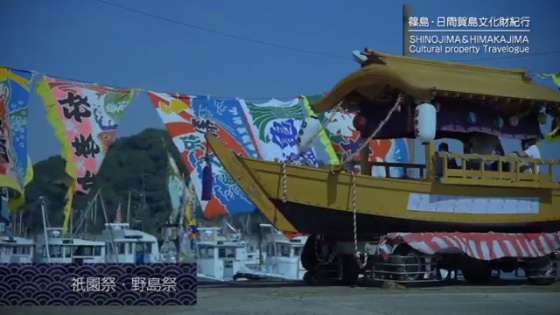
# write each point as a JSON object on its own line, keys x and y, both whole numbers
{"x": 58, "y": 249}
{"x": 221, "y": 256}
{"x": 281, "y": 257}
{"x": 125, "y": 245}
{"x": 15, "y": 249}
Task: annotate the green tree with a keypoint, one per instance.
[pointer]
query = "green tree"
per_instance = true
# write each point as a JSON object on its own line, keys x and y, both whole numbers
{"x": 136, "y": 164}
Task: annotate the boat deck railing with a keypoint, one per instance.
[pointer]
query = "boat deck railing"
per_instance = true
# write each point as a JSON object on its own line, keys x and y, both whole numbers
{"x": 507, "y": 171}
{"x": 485, "y": 170}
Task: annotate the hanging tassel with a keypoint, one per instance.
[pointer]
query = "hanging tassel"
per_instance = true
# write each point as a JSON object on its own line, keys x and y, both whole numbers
{"x": 207, "y": 180}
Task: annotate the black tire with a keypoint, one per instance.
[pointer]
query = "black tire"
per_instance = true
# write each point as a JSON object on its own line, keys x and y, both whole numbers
{"x": 539, "y": 271}
{"x": 407, "y": 256}
{"x": 308, "y": 256}
{"x": 310, "y": 278}
{"x": 476, "y": 271}
{"x": 350, "y": 270}
{"x": 508, "y": 264}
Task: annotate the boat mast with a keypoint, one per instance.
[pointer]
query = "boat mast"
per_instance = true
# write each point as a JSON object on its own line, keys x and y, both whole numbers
{"x": 110, "y": 228}
{"x": 71, "y": 222}
{"x": 21, "y": 222}
{"x": 42, "y": 199}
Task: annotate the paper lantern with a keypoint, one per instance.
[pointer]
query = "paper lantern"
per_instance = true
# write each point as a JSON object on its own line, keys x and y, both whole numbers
{"x": 310, "y": 128}
{"x": 359, "y": 122}
{"x": 425, "y": 122}
{"x": 471, "y": 118}
{"x": 514, "y": 120}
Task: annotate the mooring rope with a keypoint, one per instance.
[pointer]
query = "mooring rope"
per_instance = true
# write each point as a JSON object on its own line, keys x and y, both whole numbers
{"x": 366, "y": 142}
{"x": 358, "y": 254}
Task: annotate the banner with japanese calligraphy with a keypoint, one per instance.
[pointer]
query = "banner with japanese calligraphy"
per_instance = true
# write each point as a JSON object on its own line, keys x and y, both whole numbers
{"x": 85, "y": 118}
{"x": 276, "y": 124}
{"x": 187, "y": 119}
{"x": 345, "y": 140}
{"x": 15, "y": 164}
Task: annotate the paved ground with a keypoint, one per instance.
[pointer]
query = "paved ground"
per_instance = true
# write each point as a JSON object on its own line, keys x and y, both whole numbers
{"x": 285, "y": 299}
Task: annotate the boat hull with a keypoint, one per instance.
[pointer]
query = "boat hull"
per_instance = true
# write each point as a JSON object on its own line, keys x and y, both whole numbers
{"x": 320, "y": 201}
{"x": 323, "y": 221}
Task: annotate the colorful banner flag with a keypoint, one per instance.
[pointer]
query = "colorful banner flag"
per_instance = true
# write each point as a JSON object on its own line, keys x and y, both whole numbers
{"x": 345, "y": 140}
{"x": 323, "y": 137}
{"x": 554, "y": 134}
{"x": 555, "y": 77}
{"x": 187, "y": 119}
{"x": 85, "y": 118}
{"x": 176, "y": 188}
{"x": 15, "y": 167}
{"x": 276, "y": 125}
{"x": 189, "y": 206}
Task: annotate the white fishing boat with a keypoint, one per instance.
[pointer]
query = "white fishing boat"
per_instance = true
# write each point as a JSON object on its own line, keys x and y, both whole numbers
{"x": 282, "y": 257}
{"x": 15, "y": 249}
{"x": 221, "y": 257}
{"x": 58, "y": 249}
{"x": 124, "y": 245}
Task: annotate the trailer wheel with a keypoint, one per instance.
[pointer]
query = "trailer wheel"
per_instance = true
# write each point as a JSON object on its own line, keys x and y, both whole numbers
{"x": 310, "y": 278}
{"x": 476, "y": 271}
{"x": 350, "y": 270}
{"x": 308, "y": 258}
{"x": 539, "y": 271}
{"x": 407, "y": 263}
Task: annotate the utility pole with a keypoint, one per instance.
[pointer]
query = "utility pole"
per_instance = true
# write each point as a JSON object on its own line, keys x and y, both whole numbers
{"x": 407, "y": 13}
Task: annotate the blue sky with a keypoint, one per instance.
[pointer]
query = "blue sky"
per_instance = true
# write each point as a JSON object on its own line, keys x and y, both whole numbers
{"x": 95, "y": 42}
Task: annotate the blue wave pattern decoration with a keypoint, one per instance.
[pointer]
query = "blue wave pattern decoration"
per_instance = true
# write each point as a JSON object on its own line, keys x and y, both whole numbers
{"x": 46, "y": 284}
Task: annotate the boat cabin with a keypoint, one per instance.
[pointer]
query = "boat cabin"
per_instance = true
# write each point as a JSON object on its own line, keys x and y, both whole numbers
{"x": 218, "y": 256}
{"x": 404, "y": 97}
{"x": 62, "y": 250}
{"x": 283, "y": 255}
{"x": 15, "y": 249}
{"x": 124, "y": 245}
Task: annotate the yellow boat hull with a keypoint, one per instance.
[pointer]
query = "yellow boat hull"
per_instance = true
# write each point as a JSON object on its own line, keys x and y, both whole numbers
{"x": 319, "y": 201}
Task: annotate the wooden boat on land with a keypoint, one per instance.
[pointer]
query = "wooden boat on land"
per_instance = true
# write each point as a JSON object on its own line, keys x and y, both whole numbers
{"x": 460, "y": 100}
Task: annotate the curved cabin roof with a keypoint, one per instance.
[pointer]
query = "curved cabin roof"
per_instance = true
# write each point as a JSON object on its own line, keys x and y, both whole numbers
{"x": 419, "y": 78}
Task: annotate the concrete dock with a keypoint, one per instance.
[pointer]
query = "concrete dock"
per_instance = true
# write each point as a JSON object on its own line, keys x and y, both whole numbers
{"x": 295, "y": 299}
